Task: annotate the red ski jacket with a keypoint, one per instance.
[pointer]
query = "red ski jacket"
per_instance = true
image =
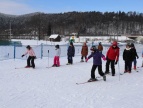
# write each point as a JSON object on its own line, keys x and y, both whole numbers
{"x": 113, "y": 53}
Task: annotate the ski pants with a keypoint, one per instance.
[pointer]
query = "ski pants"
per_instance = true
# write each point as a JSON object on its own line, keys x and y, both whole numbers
{"x": 57, "y": 60}
{"x": 128, "y": 65}
{"x": 112, "y": 66}
{"x": 135, "y": 62}
{"x": 99, "y": 70}
{"x": 31, "y": 58}
{"x": 70, "y": 60}
{"x": 83, "y": 57}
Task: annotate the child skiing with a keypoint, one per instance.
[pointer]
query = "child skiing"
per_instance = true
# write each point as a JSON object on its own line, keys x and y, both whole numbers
{"x": 127, "y": 57}
{"x": 97, "y": 62}
{"x": 30, "y": 58}
{"x": 100, "y": 47}
{"x": 84, "y": 52}
{"x": 70, "y": 53}
{"x": 134, "y": 53}
{"x": 112, "y": 57}
{"x": 57, "y": 56}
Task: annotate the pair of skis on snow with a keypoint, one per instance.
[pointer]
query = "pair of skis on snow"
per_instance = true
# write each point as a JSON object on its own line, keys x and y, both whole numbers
{"x": 97, "y": 79}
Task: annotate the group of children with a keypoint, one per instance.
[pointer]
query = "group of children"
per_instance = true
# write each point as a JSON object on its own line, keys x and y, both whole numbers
{"x": 112, "y": 56}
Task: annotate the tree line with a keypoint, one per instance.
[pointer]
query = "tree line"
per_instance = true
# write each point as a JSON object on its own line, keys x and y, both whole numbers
{"x": 83, "y": 23}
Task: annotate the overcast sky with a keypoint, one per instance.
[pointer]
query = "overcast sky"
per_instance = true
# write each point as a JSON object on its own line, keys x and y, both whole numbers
{"x": 19, "y": 7}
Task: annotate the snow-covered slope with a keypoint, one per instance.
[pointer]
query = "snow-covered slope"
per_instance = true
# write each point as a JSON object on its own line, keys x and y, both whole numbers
{"x": 56, "y": 87}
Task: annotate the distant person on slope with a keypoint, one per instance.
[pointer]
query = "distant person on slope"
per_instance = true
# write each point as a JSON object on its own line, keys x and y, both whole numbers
{"x": 112, "y": 57}
{"x": 97, "y": 62}
{"x": 57, "y": 56}
{"x": 84, "y": 52}
{"x": 100, "y": 47}
{"x": 135, "y": 55}
{"x": 70, "y": 53}
{"x": 128, "y": 58}
{"x": 30, "y": 58}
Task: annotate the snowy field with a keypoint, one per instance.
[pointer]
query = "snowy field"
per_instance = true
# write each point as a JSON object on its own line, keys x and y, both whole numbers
{"x": 56, "y": 87}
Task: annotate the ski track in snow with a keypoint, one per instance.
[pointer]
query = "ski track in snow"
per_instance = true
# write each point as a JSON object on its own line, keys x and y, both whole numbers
{"x": 56, "y": 87}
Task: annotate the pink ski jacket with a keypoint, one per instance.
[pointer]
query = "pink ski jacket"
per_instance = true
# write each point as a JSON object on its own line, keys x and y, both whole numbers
{"x": 30, "y": 52}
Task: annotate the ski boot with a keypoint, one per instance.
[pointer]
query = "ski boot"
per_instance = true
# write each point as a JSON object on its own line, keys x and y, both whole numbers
{"x": 125, "y": 71}
{"x": 54, "y": 65}
{"x": 27, "y": 66}
{"x": 92, "y": 79}
{"x": 68, "y": 64}
{"x": 104, "y": 77}
{"x": 82, "y": 60}
{"x": 107, "y": 72}
{"x": 134, "y": 67}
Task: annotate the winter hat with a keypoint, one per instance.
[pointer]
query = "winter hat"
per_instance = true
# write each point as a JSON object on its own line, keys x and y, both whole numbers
{"x": 93, "y": 48}
{"x": 28, "y": 47}
{"x": 99, "y": 43}
{"x": 57, "y": 46}
{"x": 132, "y": 45}
{"x": 114, "y": 43}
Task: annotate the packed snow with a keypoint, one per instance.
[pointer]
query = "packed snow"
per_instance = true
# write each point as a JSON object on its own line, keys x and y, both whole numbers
{"x": 55, "y": 87}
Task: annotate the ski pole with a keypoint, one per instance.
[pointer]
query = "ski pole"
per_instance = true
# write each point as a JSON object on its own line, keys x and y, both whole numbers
{"x": 48, "y": 58}
{"x": 119, "y": 70}
{"x": 142, "y": 62}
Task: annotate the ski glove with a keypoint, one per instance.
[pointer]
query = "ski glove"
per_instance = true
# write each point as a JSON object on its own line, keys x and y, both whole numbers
{"x": 86, "y": 60}
{"x": 22, "y": 55}
{"x": 104, "y": 58}
{"x": 35, "y": 57}
{"x": 116, "y": 62}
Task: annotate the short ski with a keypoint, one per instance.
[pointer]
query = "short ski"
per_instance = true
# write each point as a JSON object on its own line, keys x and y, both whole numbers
{"x": 85, "y": 82}
{"x": 90, "y": 81}
{"x": 54, "y": 66}
{"x": 24, "y": 68}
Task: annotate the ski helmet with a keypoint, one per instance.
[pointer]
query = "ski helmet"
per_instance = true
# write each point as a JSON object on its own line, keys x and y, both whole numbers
{"x": 93, "y": 48}
{"x": 28, "y": 47}
{"x": 132, "y": 45}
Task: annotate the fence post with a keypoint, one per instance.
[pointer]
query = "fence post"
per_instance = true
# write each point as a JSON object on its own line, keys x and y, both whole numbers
{"x": 14, "y": 49}
{"x": 41, "y": 50}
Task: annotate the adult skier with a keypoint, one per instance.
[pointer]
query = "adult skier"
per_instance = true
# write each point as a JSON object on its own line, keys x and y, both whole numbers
{"x": 112, "y": 57}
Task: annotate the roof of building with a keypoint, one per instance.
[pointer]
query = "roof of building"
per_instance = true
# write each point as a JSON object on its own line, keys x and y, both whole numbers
{"x": 54, "y": 36}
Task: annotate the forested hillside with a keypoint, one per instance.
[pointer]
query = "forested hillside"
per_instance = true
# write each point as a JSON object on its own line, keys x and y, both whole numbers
{"x": 83, "y": 23}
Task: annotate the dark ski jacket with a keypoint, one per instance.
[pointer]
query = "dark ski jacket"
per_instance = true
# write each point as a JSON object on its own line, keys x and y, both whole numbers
{"x": 134, "y": 53}
{"x": 96, "y": 57}
{"x": 71, "y": 51}
{"x": 127, "y": 55}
